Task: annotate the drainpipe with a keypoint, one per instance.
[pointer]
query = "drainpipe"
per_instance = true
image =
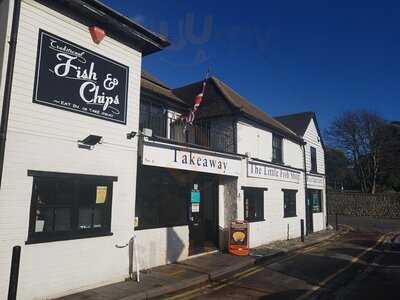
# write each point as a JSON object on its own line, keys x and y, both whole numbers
{"x": 8, "y": 83}
{"x": 305, "y": 183}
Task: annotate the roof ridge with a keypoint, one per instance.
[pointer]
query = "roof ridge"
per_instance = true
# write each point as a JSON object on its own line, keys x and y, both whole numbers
{"x": 250, "y": 103}
{"x": 150, "y": 77}
{"x": 296, "y": 114}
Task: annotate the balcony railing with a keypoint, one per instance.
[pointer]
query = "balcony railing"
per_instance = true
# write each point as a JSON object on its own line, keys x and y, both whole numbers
{"x": 207, "y": 134}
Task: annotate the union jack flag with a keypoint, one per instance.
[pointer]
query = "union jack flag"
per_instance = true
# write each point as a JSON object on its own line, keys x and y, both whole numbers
{"x": 189, "y": 119}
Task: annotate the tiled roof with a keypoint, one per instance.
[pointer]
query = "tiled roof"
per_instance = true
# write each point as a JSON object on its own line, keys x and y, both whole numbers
{"x": 238, "y": 102}
{"x": 152, "y": 84}
{"x": 297, "y": 122}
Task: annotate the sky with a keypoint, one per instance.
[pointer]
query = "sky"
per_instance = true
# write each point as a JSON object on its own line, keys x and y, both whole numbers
{"x": 284, "y": 56}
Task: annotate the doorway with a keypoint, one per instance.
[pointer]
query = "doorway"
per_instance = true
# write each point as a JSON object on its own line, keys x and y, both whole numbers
{"x": 309, "y": 212}
{"x": 203, "y": 214}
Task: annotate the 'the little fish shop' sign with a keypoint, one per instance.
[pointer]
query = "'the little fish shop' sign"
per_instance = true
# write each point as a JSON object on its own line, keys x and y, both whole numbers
{"x": 260, "y": 170}
{"x": 71, "y": 77}
{"x": 168, "y": 156}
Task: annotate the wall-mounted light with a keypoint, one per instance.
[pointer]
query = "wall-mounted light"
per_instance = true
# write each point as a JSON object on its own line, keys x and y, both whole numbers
{"x": 97, "y": 34}
{"x": 90, "y": 141}
{"x": 131, "y": 135}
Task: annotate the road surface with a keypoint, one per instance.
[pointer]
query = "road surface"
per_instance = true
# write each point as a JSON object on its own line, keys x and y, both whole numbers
{"x": 355, "y": 265}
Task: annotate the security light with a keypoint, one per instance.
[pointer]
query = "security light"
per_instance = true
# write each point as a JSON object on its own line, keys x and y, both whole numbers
{"x": 90, "y": 141}
{"x": 131, "y": 135}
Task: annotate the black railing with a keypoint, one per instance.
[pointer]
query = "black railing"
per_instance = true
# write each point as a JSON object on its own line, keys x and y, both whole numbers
{"x": 207, "y": 134}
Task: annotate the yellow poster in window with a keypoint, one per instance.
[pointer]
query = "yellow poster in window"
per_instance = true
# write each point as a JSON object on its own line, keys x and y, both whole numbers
{"x": 101, "y": 194}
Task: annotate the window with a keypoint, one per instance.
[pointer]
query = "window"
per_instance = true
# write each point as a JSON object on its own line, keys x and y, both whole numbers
{"x": 289, "y": 206}
{"x": 313, "y": 153}
{"x": 253, "y": 204}
{"x": 277, "y": 149}
{"x": 162, "y": 197}
{"x": 315, "y": 196}
{"x": 69, "y": 206}
{"x": 153, "y": 116}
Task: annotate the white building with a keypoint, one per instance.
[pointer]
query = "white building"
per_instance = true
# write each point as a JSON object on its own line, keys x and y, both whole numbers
{"x": 263, "y": 181}
{"x": 306, "y": 126}
{"x": 68, "y": 206}
{"x": 97, "y": 151}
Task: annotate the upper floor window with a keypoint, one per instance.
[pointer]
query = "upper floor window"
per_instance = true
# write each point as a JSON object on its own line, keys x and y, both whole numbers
{"x": 277, "y": 148}
{"x": 313, "y": 154}
{"x": 69, "y": 206}
{"x": 153, "y": 116}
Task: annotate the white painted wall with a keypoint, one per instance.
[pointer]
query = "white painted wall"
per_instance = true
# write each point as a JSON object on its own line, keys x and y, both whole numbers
{"x": 162, "y": 246}
{"x": 5, "y": 25}
{"x": 45, "y": 138}
{"x": 258, "y": 142}
{"x": 312, "y": 138}
{"x": 275, "y": 226}
{"x": 254, "y": 140}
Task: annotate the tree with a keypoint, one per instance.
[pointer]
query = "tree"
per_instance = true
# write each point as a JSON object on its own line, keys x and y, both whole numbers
{"x": 339, "y": 172}
{"x": 359, "y": 134}
{"x": 336, "y": 167}
{"x": 391, "y": 157}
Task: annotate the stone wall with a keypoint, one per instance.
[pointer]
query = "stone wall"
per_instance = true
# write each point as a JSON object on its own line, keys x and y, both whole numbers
{"x": 358, "y": 204}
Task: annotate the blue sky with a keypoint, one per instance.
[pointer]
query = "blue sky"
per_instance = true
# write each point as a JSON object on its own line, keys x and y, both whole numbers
{"x": 284, "y": 56}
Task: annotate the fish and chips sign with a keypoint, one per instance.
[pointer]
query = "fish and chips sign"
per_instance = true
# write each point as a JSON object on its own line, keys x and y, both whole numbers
{"x": 73, "y": 78}
{"x": 261, "y": 170}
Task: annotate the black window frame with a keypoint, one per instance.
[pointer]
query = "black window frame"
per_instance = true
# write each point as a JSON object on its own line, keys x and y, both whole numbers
{"x": 310, "y": 196}
{"x": 258, "y": 204}
{"x": 289, "y": 208}
{"x": 313, "y": 159}
{"x": 277, "y": 148}
{"x": 77, "y": 181}
{"x": 157, "y": 122}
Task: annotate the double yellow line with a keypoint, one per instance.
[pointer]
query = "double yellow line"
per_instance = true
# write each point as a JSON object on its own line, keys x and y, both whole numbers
{"x": 248, "y": 272}
{"x": 356, "y": 259}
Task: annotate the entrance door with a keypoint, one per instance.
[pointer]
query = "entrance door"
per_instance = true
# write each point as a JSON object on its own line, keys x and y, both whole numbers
{"x": 203, "y": 214}
{"x": 309, "y": 212}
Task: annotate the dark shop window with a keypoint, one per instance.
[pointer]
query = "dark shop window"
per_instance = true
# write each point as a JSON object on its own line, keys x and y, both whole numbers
{"x": 162, "y": 198}
{"x": 277, "y": 149}
{"x": 253, "y": 204}
{"x": 69, "y": 206}
{"x": 289, "y": 206}
{"x": 316, "y": 197}
{"x": 313, "y": 153}
{"x": 153, "y": 116}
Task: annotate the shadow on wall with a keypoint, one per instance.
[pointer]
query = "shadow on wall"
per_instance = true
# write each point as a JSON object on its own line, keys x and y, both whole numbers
{"x": 151, "y": 256}
{"x": 175, "y": 245}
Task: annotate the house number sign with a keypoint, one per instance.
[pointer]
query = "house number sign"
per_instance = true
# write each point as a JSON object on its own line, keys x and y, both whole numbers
{"x": 73, "y": 78}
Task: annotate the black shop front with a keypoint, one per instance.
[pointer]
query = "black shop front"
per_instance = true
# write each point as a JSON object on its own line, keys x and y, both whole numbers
{"x": 173, "y": 191}
{"x": 169, "y": 197}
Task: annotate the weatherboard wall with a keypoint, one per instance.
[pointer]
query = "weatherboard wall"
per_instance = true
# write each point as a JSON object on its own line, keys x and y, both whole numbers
{"x": 316, "y": 181}
{"x": 312, "y": 138}
{"x": 5, "y": 25}
{"x": 45, "y": 138}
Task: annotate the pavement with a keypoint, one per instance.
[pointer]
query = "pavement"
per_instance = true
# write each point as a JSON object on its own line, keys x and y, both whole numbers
{"x": 194, "y": 272}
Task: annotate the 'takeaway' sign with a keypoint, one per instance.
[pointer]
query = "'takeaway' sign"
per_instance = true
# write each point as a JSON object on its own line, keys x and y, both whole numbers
{"x": 73, "y": 78}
